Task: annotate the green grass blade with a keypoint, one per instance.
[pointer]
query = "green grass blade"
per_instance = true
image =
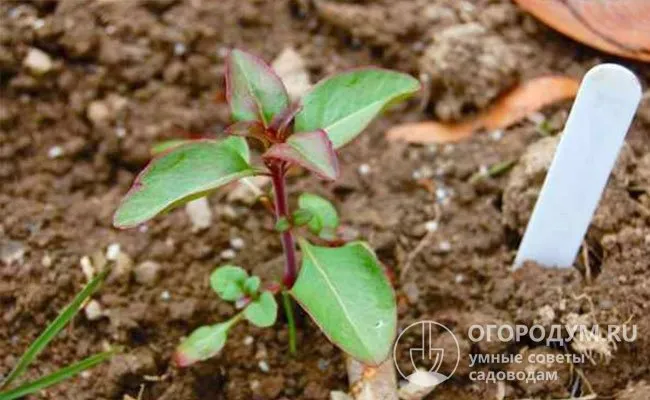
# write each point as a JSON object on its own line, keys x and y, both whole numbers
{"x": 54, "y": 328}
{"x": 56, "y": 377}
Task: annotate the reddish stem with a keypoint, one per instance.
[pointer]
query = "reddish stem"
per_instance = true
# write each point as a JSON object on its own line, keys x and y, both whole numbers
{"x": 282, "y": 211}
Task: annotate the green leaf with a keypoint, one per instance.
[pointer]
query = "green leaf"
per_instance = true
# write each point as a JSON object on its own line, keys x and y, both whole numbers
{"x": 282, "y": 225}
{"x": 312, "y": 150}
{"x": 253, "y": 90}
{"x": 301, "y": 217}
{"x": 228, "y": 282}
{"x": 252, "y": 285}
{"x": 54, "y": 328}
{"x": 203, "y": 343}
{"x": 56, "y": 377}
{"x": 347, "y": 294}
{"x": 185, "y": 173}
{"x": 344, "y": 104}
{"x": 325, "y": 218}
{"x": 262, "y": 312}
{"x": 162, "y": 147}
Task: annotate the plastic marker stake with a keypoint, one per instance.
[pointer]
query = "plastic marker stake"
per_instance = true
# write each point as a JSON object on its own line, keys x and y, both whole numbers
{"x": 600, "y": 117}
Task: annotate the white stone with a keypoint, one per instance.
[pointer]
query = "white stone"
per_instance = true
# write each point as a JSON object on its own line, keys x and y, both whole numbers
{"x": 165, "y": 295}
{"x": 264, "y": 366}
{"x": 228, "y": 254}
{"x": 444, "y": 246}
{"x": 200, "y": 213}
{"x": 38, "y": 61}
{"x": 113, "y": 251}
{"x": 364, "y": 169}
{"x": 237, "y": 243}
{"x": 431, "y": 226}
{"x": 147, "y": 273}
{"x": 55, "y": 152}
{"x": 87, "y": 267}
{"x": 93, "y": 310}
{"x": 98, "y": 112}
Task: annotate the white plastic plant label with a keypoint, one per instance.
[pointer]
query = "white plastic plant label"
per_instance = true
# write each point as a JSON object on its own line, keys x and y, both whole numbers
{"x": 600, "y": 117}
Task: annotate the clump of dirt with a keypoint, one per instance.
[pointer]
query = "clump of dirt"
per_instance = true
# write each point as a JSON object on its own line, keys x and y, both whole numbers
{"x": 489, "y": 68}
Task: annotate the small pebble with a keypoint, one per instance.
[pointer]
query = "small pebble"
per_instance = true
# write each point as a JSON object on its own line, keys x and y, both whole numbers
{"x": 165, "y": 295}
{"x": 38, "y": 61}
{"x": 85, "y": 374}
{"x": 46, "y": 261}
{"x": 98, "y": 112}
{"x": 248, "y": 340}
{"x": 444, "y": 246}
{"x": 441, "y": 193}
{"x": 364, "y": 169}
{"x": 460, "y": 278}
{"x": 113, "y": 251}
{"x": 496, "y": 135}
{"x": 222, "y": 52}
{"x": 431, "y": 226}
{"x": 38, "y": 23}
{"x": 228, "y": 254}
{"x": 87, "y": 267}
{"x": 264, "y": 366}
{"x": 55, "y": 152}
{"x": 147, "y": 273}
{"x": 200, "y": 213}
{"x": 483, "y": 170}
{"x": 179, "y": 49}
{"x": 255, "y": 384}
{"x": 237, "y": 243}
{"x": 110, "y": 29}
{"x": 120, "y": 131}
{"x": 93, "y": 310}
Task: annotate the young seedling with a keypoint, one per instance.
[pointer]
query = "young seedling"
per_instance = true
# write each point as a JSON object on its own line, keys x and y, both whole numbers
{"x": 6, "y": 393}
{"x": 601, "y": 115}
{"x": 343, "y": 288}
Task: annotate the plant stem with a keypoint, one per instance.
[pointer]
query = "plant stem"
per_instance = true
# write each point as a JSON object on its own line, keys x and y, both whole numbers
{"x": 289, "y": 247}
{"x": 288, "y": 242}
{"x": 288, "y": 310}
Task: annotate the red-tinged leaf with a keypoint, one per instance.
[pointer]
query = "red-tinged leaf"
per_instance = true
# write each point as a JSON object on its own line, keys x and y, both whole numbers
{"x": 312, "y": 150}
{"x": 252, "y": 129}
{"x": 282, "y": 121}
{"x": 254, "y": 92}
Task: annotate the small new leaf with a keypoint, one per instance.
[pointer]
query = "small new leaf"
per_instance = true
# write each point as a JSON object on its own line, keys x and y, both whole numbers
{"x": 263, "y": 311}
{"x": 228, "y": 282}
{"x": 282, "y": 225}
{"x": 203, "y": 343}
{"x": 347, "y": 294}
{"x": 301, "y": 217}
{"x": 324, "y": 219}
{"x": 254, "y": 92}
{"x": 344, "y": 104}
{"x": 186, "y": 172}
{"x": 252, "y": 285}
{"x": 312, "y": 150}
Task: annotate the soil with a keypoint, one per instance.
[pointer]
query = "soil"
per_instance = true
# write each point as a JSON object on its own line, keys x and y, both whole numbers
{"x": 126, "y": 74}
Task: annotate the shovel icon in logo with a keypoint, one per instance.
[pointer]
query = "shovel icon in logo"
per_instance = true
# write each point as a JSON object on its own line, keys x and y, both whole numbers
{"x": 427, "y": 354}
{"x": 426, "y": 360}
